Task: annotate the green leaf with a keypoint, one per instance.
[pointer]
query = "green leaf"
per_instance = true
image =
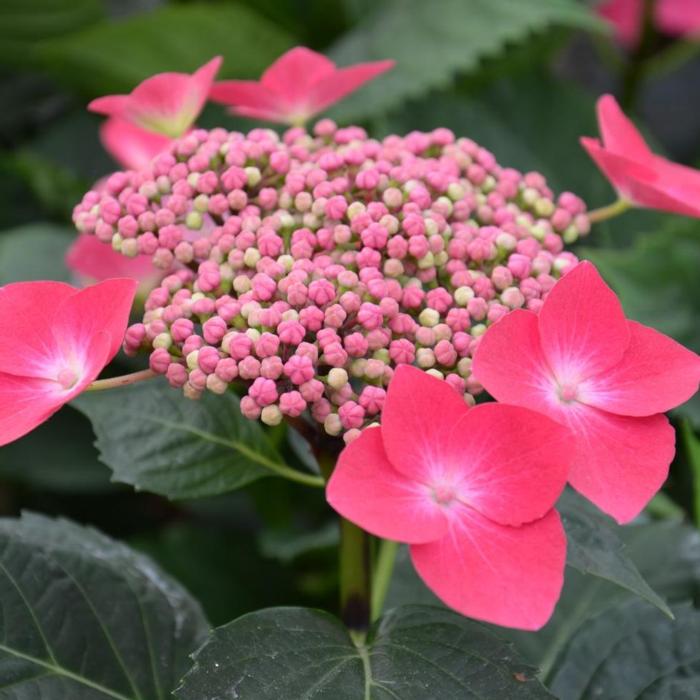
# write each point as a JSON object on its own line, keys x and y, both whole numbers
{"x": 84, "y": 617}
{"x": 594, "y": 547}
{"x": 512, "y": 117}
{"x": 455, "y": 35}
{"x": 57, "y": 456}
{"x": 154, "y": 438}
{"x": 667, "y": 555}
{"x": 412, "y": 653}
{"x": 172, "y": 38}
{"x": 632, "y": 652}
{"x": 34, "y": 252}
{"x": 24, "y": 23}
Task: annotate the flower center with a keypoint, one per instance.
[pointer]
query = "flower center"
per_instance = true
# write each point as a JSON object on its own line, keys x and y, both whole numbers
{"x": 67, "y": 378}
{"x": 568, "y": 392}
{"x": 443, "y": 494}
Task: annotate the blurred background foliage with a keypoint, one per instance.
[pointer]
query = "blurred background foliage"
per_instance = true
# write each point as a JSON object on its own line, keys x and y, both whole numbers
{"x": 518, "y": 76}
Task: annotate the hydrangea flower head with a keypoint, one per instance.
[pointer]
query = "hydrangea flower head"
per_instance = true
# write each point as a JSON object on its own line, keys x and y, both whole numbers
{"x": 638, "y": 175}
{"x": 298, "y": 85}
{"x": 472, "y": 490}
{"x": 166, "y": 103}
{"x": 608, "y": 379}
{"x": 61, "y": 340}
{"x": 306, "y": 269}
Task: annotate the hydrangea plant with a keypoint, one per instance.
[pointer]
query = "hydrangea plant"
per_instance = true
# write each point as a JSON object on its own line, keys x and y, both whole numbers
{"x": 410, "y": 309}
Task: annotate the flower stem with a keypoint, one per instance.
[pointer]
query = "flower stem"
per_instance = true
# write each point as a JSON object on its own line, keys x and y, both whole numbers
{"x": 382, "y": 575}
{"x": 124, "y": 380}
{"x": 610, "y": 211}
{"x": 355, "y": 583}
{"x": 355, "y": 559}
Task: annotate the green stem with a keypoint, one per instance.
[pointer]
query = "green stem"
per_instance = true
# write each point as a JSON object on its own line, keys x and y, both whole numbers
{"x": 355, "y": 558}
{"x": 383, "y": 570}
{"x": 355, "y": 583}
{"x": 124, "y": 380}
{"x": 610, "y": 211}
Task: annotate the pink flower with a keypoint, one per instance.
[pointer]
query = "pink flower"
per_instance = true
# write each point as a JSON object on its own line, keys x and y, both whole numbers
{"x": 471, "y": 490}
{"x": 672, "y": 17}
{"x": 638, "y": 175}
{"x": 166, "y": 103}
{"x": 93, "y": 261}
{"x": 56, "y": 340}
{"x": 130, "y": 145}
{"x": 298, "y": 85}
{"x": 582, "y": 363}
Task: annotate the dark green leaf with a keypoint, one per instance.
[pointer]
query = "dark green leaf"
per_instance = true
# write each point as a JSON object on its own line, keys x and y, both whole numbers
{"x": 632, "y": 653}
{"x": 667, "y": 555}
{"x": 154, "y": 438}
{"x": 83, "y": 617}
{"x": 531, "y": 123}
{"x": 413, "y": 653}
{"x": 594, "y": 547}
{"x": 454, "y": 35}
{"x": 173, "y": 38}
{"x": 34, "y": 252}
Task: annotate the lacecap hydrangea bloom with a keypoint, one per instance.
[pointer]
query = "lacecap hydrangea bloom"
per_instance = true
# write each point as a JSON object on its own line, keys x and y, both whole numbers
{"x": 306, "y": 268}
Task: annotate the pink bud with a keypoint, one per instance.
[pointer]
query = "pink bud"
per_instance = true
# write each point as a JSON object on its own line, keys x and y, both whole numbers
{"x": 299, "y": 369}
{"x": 263, "y": 391}
{"x": 372, "y": 399}
{"x": 226, "y": 369}
{"x": 351, "y": 414}
{"x": 292, "y": 403}
{"x": 159, "y": 360}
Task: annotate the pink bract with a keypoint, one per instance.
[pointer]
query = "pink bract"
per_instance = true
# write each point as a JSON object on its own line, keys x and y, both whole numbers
{"x": 56, "y": 341}
{"x": 93, "y": 261}
{"x": 298, "y": 85}
{"x": 471, "y": 490}
{"x": 608, "y": 379}
{"x": 166, "y": 103}
{"x": 638, "y": 175}
{"x": 130, "y": 145}
{"x": 672, "y": 17}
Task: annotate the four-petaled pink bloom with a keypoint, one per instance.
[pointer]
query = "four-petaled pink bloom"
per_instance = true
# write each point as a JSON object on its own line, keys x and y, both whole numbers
{"x": 166, "y": 103}
{"x": 56, "y": 340}
{"x": 129, "y": 144}
{"x": 471, "y": 490}
{"x": 298, "y": 85}
{"x": 608, "y": 379}
{"x": 638, "y": 175}
{"x": 672, "y": 17}
{"x": 93, "y": 261}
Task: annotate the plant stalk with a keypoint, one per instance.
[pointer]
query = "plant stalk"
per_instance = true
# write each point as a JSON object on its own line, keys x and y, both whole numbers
{"x": 123, "y": 380}
{"x": 355, "y": 580}
{"x": 382, "y": 575}
{"x": 610, "y": 211}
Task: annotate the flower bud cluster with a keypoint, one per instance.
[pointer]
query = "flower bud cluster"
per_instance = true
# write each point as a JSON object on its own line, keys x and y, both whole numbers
{"x": 305, "y": 268}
